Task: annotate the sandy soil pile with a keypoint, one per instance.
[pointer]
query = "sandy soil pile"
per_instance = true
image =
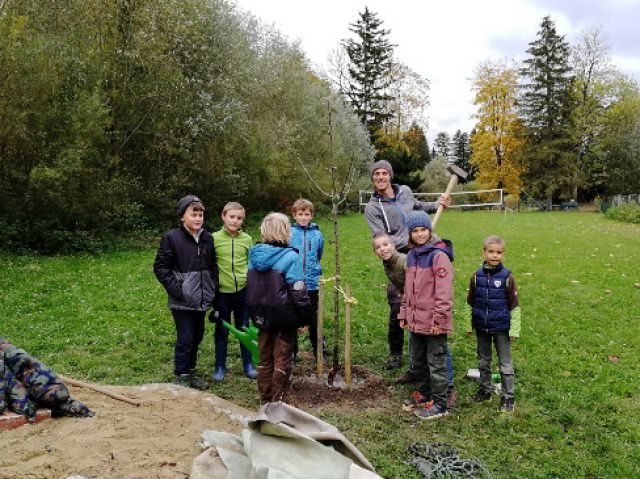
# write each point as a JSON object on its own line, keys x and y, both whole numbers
{"x": 159, "y": 439}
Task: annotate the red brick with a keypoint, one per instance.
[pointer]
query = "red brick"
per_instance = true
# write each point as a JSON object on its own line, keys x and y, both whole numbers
{"x": 11, "y": 420}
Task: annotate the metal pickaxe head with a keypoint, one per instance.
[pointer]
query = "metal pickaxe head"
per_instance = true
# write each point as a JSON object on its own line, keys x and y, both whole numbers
{"x": 459, "y": 172}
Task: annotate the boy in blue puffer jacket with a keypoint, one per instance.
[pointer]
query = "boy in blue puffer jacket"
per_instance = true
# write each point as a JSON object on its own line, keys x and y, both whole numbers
{"x": 495, "y": 317}
{"x": 309, "y": 241}
{"x": 278, "y": 305}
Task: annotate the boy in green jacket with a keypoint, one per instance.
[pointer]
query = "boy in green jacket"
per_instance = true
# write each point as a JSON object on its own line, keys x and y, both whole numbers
{"x": 232, "y": 252}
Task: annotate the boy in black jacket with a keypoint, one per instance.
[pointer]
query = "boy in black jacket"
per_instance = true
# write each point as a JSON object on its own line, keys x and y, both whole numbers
{"x": 186, "y": 266}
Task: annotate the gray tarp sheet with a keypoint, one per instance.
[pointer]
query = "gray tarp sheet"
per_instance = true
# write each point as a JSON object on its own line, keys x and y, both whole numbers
{"x": 283, "y": 442}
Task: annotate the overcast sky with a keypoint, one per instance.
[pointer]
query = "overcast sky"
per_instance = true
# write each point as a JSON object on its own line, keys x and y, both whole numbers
{"x": 445, "y": 40}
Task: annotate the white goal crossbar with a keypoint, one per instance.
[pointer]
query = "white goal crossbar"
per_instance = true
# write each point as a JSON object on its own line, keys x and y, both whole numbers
{"x": 364, "y": 195}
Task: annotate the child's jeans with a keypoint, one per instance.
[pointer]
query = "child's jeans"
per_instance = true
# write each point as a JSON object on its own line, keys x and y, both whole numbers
{"x": 430, "y": 366}
{"x": 503, "y": 349}
{"x": 189, "y": 334}
{"x": 395, "y": 334}
{"x": 227, "y": 303}
{"x": 274, "y": 369}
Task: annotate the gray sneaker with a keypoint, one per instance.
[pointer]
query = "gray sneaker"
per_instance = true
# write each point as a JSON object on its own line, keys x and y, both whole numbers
{"x": 507, "y": 405}
{"x": 430, "y": 412}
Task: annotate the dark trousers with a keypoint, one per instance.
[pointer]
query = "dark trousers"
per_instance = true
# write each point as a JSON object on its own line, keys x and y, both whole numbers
{"x": 395, "y": 334}
{"x": 313, "y": 326}
{"x": 430, "y": 366}
{"x": 227, "y": 303}
{"x": 276, "y": 363}
{"x": 189, "y": 334}
{"x": 503, "y": 349}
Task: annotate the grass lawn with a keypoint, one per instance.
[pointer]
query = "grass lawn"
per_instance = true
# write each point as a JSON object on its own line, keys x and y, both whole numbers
{"x": 103, "y": 318}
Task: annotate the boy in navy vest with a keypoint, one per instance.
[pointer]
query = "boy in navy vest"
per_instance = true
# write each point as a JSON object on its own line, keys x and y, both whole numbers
{"x": 495, "y": 317}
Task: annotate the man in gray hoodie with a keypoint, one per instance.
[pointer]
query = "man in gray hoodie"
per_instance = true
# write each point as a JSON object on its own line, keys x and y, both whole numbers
{"x": 390, "y": 204}
{"x": 385, "y": 213}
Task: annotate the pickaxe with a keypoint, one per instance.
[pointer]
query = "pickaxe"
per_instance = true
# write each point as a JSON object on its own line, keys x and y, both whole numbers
{"x": 456, "y": 174}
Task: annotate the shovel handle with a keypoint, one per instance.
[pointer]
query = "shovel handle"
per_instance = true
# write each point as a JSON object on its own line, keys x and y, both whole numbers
{"x": 452, "y": 184}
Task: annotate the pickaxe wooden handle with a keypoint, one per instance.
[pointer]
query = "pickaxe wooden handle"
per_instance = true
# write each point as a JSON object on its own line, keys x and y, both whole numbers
{"x": 453, "y": 181}
{"x": 456, "y": 173}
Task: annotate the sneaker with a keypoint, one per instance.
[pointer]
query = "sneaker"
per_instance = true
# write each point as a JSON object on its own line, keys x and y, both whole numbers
{"x": 182, "y": 380}
{"x": 452, "y": 397}
{"x": 507, "y": 405}
{"x": 417, "y": 399}
{"x": 195, "y": 383}
{"x": 394, "y": 362}
{"x": 481, "y": 396}
{"x": 430, "y": 412}
{"x": 190, "y": 381}
{"x": 406, "y": 378}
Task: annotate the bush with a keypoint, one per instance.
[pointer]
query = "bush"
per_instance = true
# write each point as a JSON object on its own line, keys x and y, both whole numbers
{"x": 629, "y": 212}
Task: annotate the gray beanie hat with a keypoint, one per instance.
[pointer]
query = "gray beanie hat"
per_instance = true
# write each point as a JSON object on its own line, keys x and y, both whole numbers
{"x": 382, "y": 164}
{"x": 185, "y": 202}
{"x": 416, "y": 219}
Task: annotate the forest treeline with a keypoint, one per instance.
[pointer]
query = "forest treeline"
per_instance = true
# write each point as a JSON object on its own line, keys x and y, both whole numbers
{"x": 110, "y": 110}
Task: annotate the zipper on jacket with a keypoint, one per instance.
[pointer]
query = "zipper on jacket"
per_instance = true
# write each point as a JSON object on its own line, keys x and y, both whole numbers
{"x": 201, "y": 283}
{"x": 233, "y": 262}
{"x": 304, "y": 251}
{"x": 486, "y": 316}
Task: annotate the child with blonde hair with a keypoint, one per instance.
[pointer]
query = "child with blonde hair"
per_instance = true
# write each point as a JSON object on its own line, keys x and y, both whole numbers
{"x": 278, "y": 304}
{"x": 232, "y": 253}
{"x": 495, "y": 317}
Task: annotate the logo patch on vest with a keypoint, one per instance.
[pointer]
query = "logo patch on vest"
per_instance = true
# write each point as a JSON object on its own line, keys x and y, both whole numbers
{"x": 497, "y": 283}
{"x": 441, "y": 273}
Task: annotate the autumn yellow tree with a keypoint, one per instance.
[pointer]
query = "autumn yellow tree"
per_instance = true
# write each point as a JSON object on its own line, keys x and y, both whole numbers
{"x": 497, "y": 142}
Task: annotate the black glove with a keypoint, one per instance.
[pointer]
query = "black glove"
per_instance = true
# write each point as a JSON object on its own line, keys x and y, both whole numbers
{"x": 214, "y": 316}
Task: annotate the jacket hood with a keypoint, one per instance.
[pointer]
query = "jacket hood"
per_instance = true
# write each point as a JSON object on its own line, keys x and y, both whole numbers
{"x": 263, "y": 256}
{"x": 444, "y": 245}
{"x": 312, "y": 226}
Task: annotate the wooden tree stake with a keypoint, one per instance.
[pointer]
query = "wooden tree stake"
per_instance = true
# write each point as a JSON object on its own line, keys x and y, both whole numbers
{"x": 320, "y": 331}
{"x": 347, "y": 336}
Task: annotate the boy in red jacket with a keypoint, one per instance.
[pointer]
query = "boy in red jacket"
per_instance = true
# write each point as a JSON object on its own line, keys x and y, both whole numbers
{"x": 427, "y": 306}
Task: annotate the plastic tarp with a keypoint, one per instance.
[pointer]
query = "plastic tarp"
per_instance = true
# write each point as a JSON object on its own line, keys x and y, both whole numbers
{"x": 283, "y": 442}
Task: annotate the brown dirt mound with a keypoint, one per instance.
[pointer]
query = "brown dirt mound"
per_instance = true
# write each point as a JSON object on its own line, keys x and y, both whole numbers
{"x": 312, "y": 393}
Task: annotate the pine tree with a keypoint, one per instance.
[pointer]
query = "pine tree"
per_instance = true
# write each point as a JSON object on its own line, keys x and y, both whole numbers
{"x": 442, "y": 146}
{"x": 461, "y": 152}
{"x": 546, "y": 111}
{"x": 371, "y": 57}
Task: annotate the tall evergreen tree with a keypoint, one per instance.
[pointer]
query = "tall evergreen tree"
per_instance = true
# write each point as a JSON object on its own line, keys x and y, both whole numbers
{"x": 442, "y": 146}
{"x": 546, "y": 111}
{"x": 461, "y": 152}
{"x": 370, "y": 56}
